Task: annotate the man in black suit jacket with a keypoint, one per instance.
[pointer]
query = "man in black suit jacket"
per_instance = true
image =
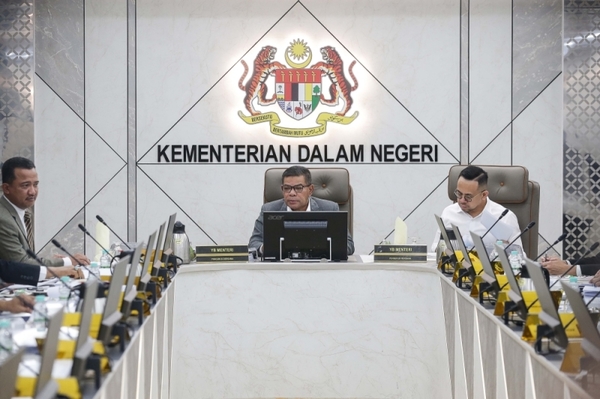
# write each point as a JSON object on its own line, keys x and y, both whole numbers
{"x": 297, "y": 196}
{"x": 24, "y": 273}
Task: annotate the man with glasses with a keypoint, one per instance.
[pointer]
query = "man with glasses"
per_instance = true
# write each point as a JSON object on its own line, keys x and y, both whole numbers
{"x": 472, "y": 202}
{"x": 297, "y": 188}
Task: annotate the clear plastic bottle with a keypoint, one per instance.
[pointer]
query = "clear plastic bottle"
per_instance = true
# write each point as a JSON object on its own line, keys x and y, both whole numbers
{"x": 94, "y": 270}
{"x": 63, "y": 291}
{"x": 40, "y": 313}
{"x": 565, "y": 307}
{"x": 105, "y": 259}
{"x": 494, "y": 254}
{"x": 6, "y": 339}
{"x": 515, "y": 261}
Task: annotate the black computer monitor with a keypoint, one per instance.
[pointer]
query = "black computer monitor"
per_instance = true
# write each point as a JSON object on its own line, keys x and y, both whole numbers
{"x": 305, "y": 236}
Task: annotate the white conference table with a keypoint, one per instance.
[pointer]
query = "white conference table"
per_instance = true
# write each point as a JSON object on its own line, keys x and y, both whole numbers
{"x": 327, "y": 330}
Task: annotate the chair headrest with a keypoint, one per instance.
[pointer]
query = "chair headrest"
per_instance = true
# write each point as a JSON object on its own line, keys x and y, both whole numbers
{"x": 332, "y": 184}
{"x": 506, "y": 184}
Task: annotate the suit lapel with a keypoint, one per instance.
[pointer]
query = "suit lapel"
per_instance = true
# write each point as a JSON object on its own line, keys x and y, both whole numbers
{"x": 11, "y": 210}
{"x": 314, "y": 206}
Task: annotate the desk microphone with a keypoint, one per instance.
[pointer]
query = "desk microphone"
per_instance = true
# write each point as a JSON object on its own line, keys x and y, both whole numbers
{"x": 111, "y": 230}
{"x": 559, "y": 239}
{"x": 525, "y": 230}
{"x": 490, "y": 229}
{"x": 82, "y": 228}
{"x": 487, "y": 231}
{"x": 57, "y": 244}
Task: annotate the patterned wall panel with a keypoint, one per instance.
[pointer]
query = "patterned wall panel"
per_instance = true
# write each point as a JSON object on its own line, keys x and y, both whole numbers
{"x": 581, "y": 128}
{"x": 16, "y": 72}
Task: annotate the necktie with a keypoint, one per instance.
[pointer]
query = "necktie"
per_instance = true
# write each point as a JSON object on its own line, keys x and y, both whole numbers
{"x": 29, "y": 228}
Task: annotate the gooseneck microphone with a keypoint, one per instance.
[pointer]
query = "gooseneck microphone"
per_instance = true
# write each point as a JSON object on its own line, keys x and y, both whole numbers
{"x": 486, "y": 232}
{"x": 57, "y": 244}
{"x": 559, "y": 239}
{"x": 525, "y": 230}
{"x": 111, "y": 230}
{"x": 492, "y": 226}
{"x": 82, "y": 228}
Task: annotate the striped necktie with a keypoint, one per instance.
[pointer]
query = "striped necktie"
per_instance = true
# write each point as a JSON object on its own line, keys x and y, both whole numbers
{"x": 29, "y": 228}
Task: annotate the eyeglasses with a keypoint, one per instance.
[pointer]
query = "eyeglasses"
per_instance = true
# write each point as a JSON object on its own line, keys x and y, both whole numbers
{"x": 467, "y": 197}
{"x": 297, "y": 188}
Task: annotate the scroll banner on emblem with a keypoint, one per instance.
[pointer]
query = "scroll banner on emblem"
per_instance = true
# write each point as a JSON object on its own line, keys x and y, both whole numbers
{"x": 322, "y": 120}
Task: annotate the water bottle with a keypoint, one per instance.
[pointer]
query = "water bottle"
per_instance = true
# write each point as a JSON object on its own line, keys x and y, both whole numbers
{"x": 441, "y": 251}
{"x": 105, "y": 259}
{"x": 40, "y": 313}
{"x": 515, "y": 261}
{"x": 6, "y": 339}
{"x": 94, "y": 270}
{"x": 494, "y": 254}
{"x": 63, "y": 291}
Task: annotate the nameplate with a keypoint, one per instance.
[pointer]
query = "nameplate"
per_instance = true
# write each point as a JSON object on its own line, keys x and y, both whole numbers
{"x": 221, "y": 253}
{"x": 400, "y": 253}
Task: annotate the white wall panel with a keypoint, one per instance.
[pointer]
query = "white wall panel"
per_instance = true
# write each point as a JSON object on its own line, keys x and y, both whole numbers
{"x": 535, "y": 147}
{"x": 59, "y": 161}
{"x": 490, "y": 68}
{"x": 106, "y": 71}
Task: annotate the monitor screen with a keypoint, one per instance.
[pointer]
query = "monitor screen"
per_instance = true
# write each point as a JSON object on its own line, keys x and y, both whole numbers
{"x": 305, "y": 236}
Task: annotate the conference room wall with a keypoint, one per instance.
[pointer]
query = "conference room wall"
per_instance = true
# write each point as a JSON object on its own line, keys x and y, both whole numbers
{"x": 473, "y": 78}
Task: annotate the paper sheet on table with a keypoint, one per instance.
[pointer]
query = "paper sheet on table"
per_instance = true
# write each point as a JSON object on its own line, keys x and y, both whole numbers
{"x": 501, "y": 230}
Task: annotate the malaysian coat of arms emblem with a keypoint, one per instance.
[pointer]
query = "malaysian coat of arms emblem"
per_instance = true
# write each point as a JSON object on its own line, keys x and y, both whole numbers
{"x": 297, "y": 89}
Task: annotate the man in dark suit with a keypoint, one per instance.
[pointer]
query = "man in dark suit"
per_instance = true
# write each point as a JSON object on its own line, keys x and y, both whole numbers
{"x": 297, "y": 197}
{"x": 20, "y": 188}
{"x": 24, "y": 273}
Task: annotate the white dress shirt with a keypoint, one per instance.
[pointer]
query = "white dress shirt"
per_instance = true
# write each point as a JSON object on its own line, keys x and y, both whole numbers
{"x": 452, "y": 214}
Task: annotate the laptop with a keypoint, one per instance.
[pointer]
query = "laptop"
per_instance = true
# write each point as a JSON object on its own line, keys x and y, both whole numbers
{"x": 46, "y": 387}
{"x": 488, "y": 275}
{"x": 130, "y": 291}
{"x": 144, "y": 274}
{"x": 157, "y": 254}
{"x": 549, "y": 313}
{"x": 84, "y": 344}
{"x": 591, "y": 337}
{"x": 447, "y": 239}
{"x": 9, "y": 370}
{"x": 514, "y": 292}
{"x": 111, "y": 314}
{"x": 167, "y": 249}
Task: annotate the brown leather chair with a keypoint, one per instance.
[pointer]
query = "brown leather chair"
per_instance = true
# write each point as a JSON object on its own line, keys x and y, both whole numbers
{"x": 511, "y": 187}
{"x": 332, "y": 184}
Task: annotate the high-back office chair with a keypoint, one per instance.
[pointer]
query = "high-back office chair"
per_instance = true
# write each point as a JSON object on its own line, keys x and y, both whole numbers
{"x": 332, "y": 184}
{"x": 511, "y": 187}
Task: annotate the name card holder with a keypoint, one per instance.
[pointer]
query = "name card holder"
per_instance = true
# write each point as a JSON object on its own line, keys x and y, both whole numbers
{"x": 221, "y": 253}
{"x": 400, "y": 253}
